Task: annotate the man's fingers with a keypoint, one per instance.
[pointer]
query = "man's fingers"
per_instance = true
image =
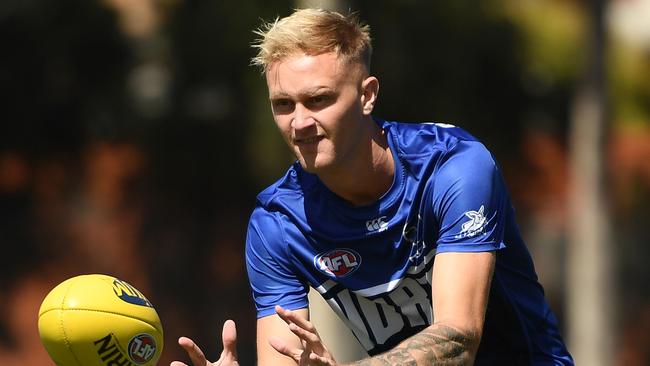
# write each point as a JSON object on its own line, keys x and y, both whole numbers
{"x": 195, "y": 353}
{"x": 302, "y": 328}
{"x": 320, "y": 360}
{"x": 313, "y": 352}
{"x": 292, "y": 317}
{"x": 229, "y": 338}
{"x": 282, "y": 347}
{"x": 313, "y": 339}
{"x": 228, "y": 355}
{"x": 229, "y": 335}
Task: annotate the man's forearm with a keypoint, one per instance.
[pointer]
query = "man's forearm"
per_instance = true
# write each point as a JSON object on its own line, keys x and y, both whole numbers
{"x": 436, "y": 345}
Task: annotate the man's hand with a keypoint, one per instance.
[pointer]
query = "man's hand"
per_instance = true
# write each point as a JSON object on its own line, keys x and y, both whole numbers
{"x": 313, "y": 350}
{"x": 228, "y": 355}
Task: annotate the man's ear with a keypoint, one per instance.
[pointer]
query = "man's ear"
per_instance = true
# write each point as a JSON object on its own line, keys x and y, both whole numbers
{"x": 370, "y": 91}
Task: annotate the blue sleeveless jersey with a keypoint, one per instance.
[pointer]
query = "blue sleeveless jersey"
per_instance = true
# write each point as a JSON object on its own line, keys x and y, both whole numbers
{"x": 372, "y": 264}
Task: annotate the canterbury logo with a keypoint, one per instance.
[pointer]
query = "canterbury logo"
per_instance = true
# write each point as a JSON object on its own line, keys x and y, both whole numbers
{"x": 377, "y": 224}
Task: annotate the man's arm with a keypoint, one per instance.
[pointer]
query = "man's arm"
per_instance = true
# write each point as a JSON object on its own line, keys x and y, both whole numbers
{"x": 272, "y": 329}
{"x": 460, "y": 289}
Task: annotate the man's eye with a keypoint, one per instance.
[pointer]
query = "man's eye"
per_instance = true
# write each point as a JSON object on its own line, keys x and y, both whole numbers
{"x": 282, "y": 104}
{"x": 319, "y": 99}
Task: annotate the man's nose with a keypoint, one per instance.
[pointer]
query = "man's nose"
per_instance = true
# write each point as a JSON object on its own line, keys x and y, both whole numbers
{"x": 302, "y": 118}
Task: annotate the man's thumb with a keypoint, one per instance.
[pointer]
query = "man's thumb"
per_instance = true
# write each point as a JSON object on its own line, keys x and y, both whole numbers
{"x": 229, "y": 337}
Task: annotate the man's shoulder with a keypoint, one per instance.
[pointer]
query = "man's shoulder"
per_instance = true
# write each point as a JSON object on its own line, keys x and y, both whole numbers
{"x": 288, "y": 189}
{"x": 423, "y": 137}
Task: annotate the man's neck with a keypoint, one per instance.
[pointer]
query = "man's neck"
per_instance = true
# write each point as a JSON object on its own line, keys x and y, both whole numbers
{"x": 367, "y": 176}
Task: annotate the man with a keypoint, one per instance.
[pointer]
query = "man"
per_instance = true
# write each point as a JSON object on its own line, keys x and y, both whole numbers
{"x": 405, "y": 229}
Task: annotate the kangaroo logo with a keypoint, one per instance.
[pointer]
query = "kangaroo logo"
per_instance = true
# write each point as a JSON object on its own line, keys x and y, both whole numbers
{"x": 475, "y": 225}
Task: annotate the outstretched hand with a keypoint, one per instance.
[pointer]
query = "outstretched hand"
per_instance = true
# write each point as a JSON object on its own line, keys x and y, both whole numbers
{"x": 313, "y": 350}
{"x": 228, "y": 355}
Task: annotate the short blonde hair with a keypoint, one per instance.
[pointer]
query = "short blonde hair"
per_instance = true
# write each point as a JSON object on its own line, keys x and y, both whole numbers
{"x": 313, "y": 32}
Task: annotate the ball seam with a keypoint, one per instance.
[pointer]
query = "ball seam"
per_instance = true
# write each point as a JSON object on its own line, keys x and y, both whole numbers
{"x": 65, "y": 336}
{"x": 130, "y": 316}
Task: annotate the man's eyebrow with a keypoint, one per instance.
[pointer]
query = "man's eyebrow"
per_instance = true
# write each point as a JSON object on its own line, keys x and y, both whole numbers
{"x": 304, "y": 92}
{"x": 279, "y": 95}
{"x": 315, "y": 89}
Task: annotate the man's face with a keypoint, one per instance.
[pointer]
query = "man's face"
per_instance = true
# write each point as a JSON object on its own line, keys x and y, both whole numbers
{"x": 317, "y": 103}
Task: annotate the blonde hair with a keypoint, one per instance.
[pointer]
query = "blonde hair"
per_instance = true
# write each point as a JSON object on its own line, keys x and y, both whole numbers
{"x": 313, "y": 32}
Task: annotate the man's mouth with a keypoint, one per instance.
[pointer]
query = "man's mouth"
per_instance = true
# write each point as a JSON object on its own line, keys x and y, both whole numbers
{"x": 307, "y": 140}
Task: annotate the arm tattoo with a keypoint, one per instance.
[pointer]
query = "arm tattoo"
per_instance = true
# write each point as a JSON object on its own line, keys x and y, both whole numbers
{"x": 436, "y": 345}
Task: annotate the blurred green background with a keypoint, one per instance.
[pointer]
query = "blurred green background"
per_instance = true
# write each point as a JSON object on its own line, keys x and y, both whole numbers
{"x": 134, "y": 137}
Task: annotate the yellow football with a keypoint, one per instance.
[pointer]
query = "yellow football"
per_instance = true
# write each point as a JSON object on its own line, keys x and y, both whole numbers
{"x": 99, "y": 320}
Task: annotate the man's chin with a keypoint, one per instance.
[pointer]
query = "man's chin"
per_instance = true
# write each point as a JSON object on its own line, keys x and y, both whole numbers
{"x": 310, "y": 164}
{"x": 309, "y": 167}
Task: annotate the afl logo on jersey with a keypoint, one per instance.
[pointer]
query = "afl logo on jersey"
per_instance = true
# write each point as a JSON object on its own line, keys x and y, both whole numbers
{"x": 338, "y": 262}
